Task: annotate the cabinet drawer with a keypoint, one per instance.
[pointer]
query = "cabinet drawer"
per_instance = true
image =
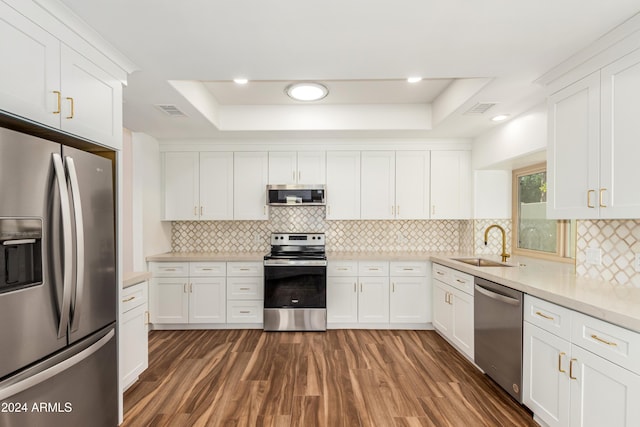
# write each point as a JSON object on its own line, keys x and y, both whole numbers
{"x": 342, "y": 268}
{"x": 614, "y": 343}
{"x": 169, "y": 269}
{"x": 245, "y": 311}
{"x": 400, "y": 269}
{"x": 548, "y": 316}
{"x": 462, "y": 281}
{"x": 442, "y": 273}
{"x": 245, "y": 288}
{"x": 207, "y": 269}
{"x": 245, "y": 269}
{"x": 133, "y": 296}
{"x": 373, "y": 268}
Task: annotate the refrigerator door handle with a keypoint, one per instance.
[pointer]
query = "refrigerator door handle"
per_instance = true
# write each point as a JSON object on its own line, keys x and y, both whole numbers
{"x": 76, "y": 306}
{"x": 44, "y": 375}
{"x": 67, "y": 245}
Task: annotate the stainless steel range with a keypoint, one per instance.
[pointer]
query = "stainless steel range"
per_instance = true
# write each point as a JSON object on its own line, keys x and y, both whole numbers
{"x": 295, "y": 283}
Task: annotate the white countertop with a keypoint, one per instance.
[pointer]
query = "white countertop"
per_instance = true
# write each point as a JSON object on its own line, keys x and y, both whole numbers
{"x": 207, "y": 256}
{"x": 134, "y": 277}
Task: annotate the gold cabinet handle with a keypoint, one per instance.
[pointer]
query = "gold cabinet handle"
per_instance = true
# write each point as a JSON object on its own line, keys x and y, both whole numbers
{"x": 571, "y": 369}
{"x": 59, "y": 103}
{"x": 597, "y": 338}
{"x": 560, "y": 362}
{"x": 602, "y": 205}
{"x": 393, "y": 210}
{"x": 129, "y": 299}
{"x": 299, "y": 176}
{"x": 589, "y": 205}
{"x": 360, "y": 287}
{"x": 191, "y": 287}
{"x": 201, "y": 210}
{"x": 72, "y": 108}
{"x": 195, "y": 211}
{"x": 293, "y": 175}
{"x": 355, "y": 287}
{"x": 184, "y": 288}
{"x": 544, "y": 316}
{"x": 393, "y": 287}
{"x": 398, "y": 210}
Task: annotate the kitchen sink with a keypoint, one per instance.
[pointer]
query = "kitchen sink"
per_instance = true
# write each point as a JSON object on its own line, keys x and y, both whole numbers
{"x": 482, "y": 262}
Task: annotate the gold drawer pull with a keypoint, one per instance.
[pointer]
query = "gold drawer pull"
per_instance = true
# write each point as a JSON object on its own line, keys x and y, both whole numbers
{"x": 342, "y": 268}
{"x": 597, "y": 338}
{"x": 571, "y": 369}
{"x": 244, "y": 312}
{"x": 440, "y": 273}
{"x": 545, "y": 316}
{"x": 207, "y": 269}
{"x": 129, "y": 299}
{"x": 560, "y": 362}
{"x": 244, "y": 269}
{"x": 245, "y": 289}
{"x": 408, "y": 269}
{"x": 169, "y": 269}
{"x": 460, "y": 281}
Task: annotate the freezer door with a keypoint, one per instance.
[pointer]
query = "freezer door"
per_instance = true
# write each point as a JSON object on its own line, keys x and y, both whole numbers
{"x": 77, "y": 387}
{"x": 29, "y": 315}
{"x": 93, "y": 303}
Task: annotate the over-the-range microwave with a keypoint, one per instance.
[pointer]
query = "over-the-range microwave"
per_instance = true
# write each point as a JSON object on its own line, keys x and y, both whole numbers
{"x": 296, "y": 194}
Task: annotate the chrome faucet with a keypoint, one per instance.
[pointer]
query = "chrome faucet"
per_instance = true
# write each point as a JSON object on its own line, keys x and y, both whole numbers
{"x": 504, "y": 254}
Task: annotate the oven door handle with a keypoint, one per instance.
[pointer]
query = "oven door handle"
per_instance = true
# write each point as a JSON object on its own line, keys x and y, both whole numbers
{"x": 496, "y": 296}
{"x": 294, "y": 263}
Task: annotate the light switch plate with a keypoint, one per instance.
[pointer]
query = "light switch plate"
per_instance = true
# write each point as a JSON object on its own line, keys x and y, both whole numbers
{"x": 594, "y": 256}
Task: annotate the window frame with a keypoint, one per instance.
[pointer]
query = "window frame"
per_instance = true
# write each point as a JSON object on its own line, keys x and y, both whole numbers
{"x": 561, "y": 231}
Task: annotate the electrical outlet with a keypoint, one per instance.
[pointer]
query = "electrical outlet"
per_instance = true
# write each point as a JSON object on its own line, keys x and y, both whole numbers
{"x": 594, "y": 256}
{"x": 637, "y": 263}
{"x": 257, "y": 238}
{"x": 400, "y": 237}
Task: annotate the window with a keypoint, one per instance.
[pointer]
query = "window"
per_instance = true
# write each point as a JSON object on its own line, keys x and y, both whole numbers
{"x": 533, "y": 233}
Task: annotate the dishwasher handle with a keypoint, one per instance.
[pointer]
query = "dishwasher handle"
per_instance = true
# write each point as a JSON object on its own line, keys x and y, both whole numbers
{"x": 503, "y": 298}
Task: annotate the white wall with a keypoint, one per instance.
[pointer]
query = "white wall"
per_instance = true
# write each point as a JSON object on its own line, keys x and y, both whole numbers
{"x": 150, "y": 235}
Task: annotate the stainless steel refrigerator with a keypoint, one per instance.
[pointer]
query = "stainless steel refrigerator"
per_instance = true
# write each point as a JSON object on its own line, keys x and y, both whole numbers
{"x": 58, "y": 356}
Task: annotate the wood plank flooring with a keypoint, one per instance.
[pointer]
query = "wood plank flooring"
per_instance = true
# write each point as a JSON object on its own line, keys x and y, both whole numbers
{"x": 336, "y": 378}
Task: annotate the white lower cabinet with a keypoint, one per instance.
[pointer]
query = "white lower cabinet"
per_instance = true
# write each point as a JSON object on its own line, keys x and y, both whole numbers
{"x": 363, "y": 294}
{"x": 565, "y": 384}
{"x": 134, "y": 353}
{"x": 453, "y": 307}
{"x": 169, "y": 300}
{"x": 207, "y": 300}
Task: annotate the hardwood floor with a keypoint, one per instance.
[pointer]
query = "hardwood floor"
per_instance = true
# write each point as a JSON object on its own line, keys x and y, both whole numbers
{"x": 338, "y": 378}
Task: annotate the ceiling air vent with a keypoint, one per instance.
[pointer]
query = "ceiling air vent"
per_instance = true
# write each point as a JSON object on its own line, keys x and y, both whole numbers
{"x": 170, "y": 110}
{"x": 480, "y": 108}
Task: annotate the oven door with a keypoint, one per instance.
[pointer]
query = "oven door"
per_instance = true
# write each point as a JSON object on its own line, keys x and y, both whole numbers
{"x": 295, "y": 285}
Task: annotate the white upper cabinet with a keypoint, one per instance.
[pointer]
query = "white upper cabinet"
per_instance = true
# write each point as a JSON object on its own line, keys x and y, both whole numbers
{"x": 343, "y": 185}
{"x": 413, "y": 174}
{"x": 51, "y": 83}
{"x": 250, "y": 176}
{"x": 303, "y": 167}
{"x": 91, "y": 100}
{"x": 378, "y": 188}
{"x": 450, "y": 184}
{"x": 593, "y": 144}
{"x": 216, "y": 185}
{"x": 181, "y": 182}
{"x": 27, "y": 86}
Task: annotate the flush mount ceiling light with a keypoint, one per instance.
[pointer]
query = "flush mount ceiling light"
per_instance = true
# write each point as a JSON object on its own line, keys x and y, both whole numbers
{"x": 414, "y": 79}
{"x": 500, "y": 117}
{"x": 306, "y": 91}
{"x": 241, "y": 81}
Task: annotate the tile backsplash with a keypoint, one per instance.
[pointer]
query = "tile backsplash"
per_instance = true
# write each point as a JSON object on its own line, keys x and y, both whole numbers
{"x": 342, "y": 236}
{"x": 619, "y": 241}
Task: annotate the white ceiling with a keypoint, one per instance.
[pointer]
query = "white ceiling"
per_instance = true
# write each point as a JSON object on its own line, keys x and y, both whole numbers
{"x": 362, "y": 49}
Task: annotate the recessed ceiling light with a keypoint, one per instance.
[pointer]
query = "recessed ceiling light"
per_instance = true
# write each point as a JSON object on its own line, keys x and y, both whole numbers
{"x": 241, "y": 81}
{"x": 306, "y": 91}
{"x": 500, "y": 117}
{"x": 414, "y": 79}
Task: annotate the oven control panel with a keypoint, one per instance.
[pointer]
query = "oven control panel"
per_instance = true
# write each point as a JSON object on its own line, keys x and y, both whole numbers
{"x": 297, "y": 239}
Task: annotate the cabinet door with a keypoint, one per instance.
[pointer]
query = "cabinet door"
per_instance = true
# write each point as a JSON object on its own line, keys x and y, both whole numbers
{"x": 207, "y": 300}
{"x": 250, "y": 175}
{"x": 342, "y": 300}
{"x": 409, "y": 300}
{"x": 181, "y": 179}
{"x": 312, "y": 167}
{"x": 283, "y": 167}
{"x": 462, "y": 333}
{"x": 413, "y": 173}
{"x": 91, "y": 100}
{"x": 450, "y": 185}
{"x": 31, "y": 71}
{"x": 343, "y": 185}
{"x": 216, "y": 186}
{"x": 169, "y": 300}
{"x": 378, "y": 188}
{"x": 572, "y": 153}
{"x": 373, "y": 301}
{"x": 602, "y": 393}
{"x": 619, "y": 143}
{"x": 442, "y": 312}
{"x": 133, "y": 344}
{"x": 545, "y": 378}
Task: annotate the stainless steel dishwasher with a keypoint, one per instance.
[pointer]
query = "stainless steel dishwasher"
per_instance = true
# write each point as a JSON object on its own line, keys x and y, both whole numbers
{"x": 498, "y": 334}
